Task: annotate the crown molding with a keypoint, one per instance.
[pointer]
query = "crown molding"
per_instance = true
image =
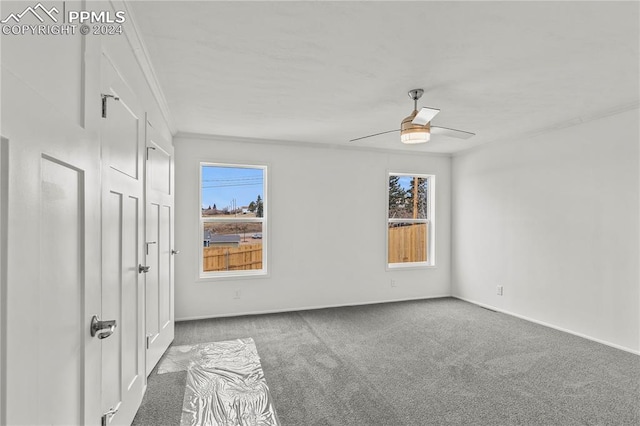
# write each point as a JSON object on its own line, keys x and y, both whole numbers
{"x": 139, "y": 49}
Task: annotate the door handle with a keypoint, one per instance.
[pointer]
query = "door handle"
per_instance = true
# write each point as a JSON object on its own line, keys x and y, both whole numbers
{"x": 97, "y": 325}
{"x": 143, "y": 269}
{"x": 175, "y": 251}
{"x": 107, "y": 416}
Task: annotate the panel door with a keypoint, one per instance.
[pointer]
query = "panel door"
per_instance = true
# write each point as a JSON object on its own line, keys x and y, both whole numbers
{"x": 122, "y": 136}
{"x": 4, "y": 182}
{"x": 51, "y": 287}
{"x": 159, "y": 246}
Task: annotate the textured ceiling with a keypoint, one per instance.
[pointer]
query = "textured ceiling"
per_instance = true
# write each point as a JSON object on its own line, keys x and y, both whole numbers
{"x": 327, "y": 72}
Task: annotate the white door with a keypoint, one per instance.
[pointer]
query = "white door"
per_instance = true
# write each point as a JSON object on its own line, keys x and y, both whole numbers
{"x": 4, "y": 181}
{"x": 159, "y": 246}
{"x": 122, "y": 135}
{"x": 52, "y": 284}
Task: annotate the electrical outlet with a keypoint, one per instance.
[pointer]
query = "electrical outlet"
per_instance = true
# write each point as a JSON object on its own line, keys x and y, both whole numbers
{"x": 393, "y": 283}
{"x": 236, "y": 294}
{"x": 499, "y": 290}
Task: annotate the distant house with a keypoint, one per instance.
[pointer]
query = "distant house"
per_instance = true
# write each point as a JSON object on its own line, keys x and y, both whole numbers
{"x": 219, "y": 240}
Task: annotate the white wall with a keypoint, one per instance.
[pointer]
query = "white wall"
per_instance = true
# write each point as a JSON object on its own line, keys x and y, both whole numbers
{"x": 554, "y": 219}
{"x": 327, "y": 221}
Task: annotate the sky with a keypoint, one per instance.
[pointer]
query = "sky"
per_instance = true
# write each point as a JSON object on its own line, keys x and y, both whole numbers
{"x": 220, "y": 185}
{"x": 405, "y": 182}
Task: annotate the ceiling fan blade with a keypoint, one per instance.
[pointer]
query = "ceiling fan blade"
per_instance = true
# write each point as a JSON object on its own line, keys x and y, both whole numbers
{"x": 460, "y": 134}
{"x": 375, "y": 134}
{"x": 425, "y": 115}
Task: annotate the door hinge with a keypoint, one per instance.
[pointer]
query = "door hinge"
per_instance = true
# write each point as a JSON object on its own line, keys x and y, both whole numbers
{"x": 107, "y": 416}
{"x": 104, "y": 103}
{"x": 149, "y": 243}
{"x": 148, "y": 148}
{"x": 149, "y": 336}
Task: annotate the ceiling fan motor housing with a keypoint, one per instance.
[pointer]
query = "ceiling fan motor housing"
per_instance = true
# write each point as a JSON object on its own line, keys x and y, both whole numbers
{"x": 413, "y": 133}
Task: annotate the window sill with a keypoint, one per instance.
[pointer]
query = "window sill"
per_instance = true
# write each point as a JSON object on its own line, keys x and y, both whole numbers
{"x": 232, "y": 276}
{"x": 404, "y": 266}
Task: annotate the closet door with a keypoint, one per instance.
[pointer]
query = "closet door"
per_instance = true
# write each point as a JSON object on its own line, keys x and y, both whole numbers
{"x": 159, "y": 246}
{"x": 51, "y": 197}
{"x": 122, "y": 135}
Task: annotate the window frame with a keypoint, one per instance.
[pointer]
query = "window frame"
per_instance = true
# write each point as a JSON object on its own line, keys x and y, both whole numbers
{"x": 240, "y": 274}
{"x": 430, "y": 222}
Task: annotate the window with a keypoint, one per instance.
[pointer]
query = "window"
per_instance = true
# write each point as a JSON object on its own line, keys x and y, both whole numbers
{"x": 410, "y": 220}
{"x": 233, "y": 221}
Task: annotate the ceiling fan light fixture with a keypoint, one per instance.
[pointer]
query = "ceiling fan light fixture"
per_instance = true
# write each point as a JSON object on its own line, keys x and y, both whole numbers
{"x": 412, "y": 133}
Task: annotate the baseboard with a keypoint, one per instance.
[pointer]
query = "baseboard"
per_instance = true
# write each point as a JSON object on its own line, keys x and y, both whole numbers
{"x": 584, "y": 336}
{"x": 308, "y": 308}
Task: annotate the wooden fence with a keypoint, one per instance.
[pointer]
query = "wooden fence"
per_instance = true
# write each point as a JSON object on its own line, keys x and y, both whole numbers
{"x": 408, "y": 243}
{"x": 240, "y": 258}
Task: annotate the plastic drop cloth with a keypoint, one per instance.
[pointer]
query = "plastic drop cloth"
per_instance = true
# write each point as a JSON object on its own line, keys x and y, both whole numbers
{"x": 225, "y": 384}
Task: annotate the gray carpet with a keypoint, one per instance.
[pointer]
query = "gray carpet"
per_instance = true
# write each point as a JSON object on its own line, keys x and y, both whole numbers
{"x": 430, "y": 362}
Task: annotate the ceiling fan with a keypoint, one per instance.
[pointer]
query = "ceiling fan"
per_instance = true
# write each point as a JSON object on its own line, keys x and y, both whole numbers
{"x": 417, "y": 127}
